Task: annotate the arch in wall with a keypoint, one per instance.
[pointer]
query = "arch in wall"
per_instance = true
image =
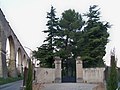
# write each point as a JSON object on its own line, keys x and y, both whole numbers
{"x": 24, "y": 62}
{"x": 11, "y": 57}
{"x": 7, "y": 52}
{"x": 7, "y": 35}
{"x": 19, "y": 62}
{"x": 27, "y": 63}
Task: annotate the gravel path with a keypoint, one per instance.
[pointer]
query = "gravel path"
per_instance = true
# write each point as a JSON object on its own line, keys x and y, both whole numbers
{"x": 69, "y": 86}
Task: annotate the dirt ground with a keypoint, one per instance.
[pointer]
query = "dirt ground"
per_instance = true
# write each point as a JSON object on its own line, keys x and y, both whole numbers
{"x": 38, "y": 86}
{"x": 100, "y": 86}
{"x": 41, "y": 86}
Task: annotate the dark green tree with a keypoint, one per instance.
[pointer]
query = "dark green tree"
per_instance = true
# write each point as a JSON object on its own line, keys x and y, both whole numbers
{"x": 94, "y": 39}
{"x": 29, "y": 79}
{"x": 45, "y": 52}
{"x": 43, "y": 55}
{"x": 52, "y": 28}
{"x": 112, "y": 82}
{"x": 71, "y": 36}
{"x": 118, "y": 74}
{"x": 70, "y": 23}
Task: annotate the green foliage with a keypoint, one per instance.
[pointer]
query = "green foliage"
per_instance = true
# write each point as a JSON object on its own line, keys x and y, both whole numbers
{"x": 118, "y": 74}
{"x": 45, "y": 52}
{"x": 112, "y": 82}
{"x": 70, "y": 23}
{"x": 9, "y": 80}
{"x": 94, "y": 39}
{"x": 52, "y": 25}
{"x": 119, "y": 88}
{"x": 71, "y": 36}
{"x": 29, "y": 77}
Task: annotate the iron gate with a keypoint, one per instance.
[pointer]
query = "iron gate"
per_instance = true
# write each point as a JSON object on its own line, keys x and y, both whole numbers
{"x": 69, "y": 70}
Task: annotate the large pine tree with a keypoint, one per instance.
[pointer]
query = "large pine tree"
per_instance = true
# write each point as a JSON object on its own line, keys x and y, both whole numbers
{"x": 70, "y": 23}
{"x": 94, "y": 39}
{"x": 45, "y": 52}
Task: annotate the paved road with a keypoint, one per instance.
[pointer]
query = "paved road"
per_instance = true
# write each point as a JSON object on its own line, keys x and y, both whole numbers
{"x": 11, "y": 86}
{"x": 69, "y": 86}
{"x": 55, "y": 86}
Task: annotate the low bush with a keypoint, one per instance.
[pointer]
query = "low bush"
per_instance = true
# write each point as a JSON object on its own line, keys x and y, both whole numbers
{"x": 9, "y": 80}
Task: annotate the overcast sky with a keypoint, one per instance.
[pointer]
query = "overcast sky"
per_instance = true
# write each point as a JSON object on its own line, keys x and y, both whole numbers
{"x": 28, "y": 18}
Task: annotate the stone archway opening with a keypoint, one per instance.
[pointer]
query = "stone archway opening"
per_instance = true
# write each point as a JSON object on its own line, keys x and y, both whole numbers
{"x": 7, "y": 52}
{"x": 19, "y": 62}
{"x": 24, "y": 62}
{"x": 10, "y": 57}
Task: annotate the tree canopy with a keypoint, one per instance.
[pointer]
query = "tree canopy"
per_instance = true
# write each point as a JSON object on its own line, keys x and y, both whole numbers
{"x": 71, "y": 36}
{"x": 94, "y": 39}
{"x": 45, "y": 52}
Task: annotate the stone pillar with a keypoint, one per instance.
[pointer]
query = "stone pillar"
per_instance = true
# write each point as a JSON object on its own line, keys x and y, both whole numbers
{"x": 57, "y": 70}
{"x": 3, "y": 67}
{"x": 1, "y": 70}
{"x": 12, "y": 68}
{"x": 79, "y": 70}
{"x": 19, "y": 68}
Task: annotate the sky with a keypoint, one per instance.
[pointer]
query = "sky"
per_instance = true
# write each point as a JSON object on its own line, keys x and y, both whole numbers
{"x": 27, "y": 18}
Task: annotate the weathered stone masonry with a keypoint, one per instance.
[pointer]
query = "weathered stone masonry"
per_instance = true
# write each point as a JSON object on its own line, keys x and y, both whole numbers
{"x": 15, "y": 46}
{"x": 83, "y": 75}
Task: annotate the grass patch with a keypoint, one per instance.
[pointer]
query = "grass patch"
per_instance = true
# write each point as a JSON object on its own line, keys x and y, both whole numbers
{"x": 9, "y": 80}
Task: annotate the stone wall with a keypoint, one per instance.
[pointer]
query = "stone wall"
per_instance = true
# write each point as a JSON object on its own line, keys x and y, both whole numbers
{"x": 90, "y": 75}
{"x": 45, "y": 75}
{"x": 93, "y": 75}
{"x": 83, "y": 75}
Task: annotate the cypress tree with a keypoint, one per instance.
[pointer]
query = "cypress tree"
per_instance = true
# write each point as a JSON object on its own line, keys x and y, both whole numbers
{"x": 112, "y": 82}
{"x": 29, "y": 77}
